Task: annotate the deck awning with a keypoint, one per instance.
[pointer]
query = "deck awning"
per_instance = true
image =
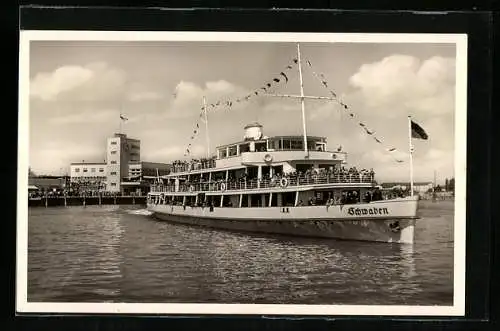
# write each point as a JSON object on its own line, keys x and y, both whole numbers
{"x": 32, "y": 187}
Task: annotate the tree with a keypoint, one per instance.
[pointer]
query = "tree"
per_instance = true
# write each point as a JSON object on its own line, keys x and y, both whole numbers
{"x": 446, "y": 185}
{"x": 31, "y": 173}
{"x": 451, "y": 185}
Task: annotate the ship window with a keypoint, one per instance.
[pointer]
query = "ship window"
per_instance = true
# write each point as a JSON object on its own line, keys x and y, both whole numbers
{"x": 286, "y": 144}
{"x": 112, "y": 173}
{"x": 233, "y": 151}
{"x": 222, "y": 153}
{"x": 244, "y": 148}
{"x": 275, "y": 144}
{"x": 260, "y": 147}
{"x": 296, "y": 145}
{"x": 113, "y": 162}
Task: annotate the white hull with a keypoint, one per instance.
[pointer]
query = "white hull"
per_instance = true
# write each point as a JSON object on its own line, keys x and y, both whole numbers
{"x": 382, "y": 221}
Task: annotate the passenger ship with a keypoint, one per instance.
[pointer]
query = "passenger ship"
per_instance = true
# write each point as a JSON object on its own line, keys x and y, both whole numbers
{"x": 290, "y": 185}
{"x": 265, "y": 184}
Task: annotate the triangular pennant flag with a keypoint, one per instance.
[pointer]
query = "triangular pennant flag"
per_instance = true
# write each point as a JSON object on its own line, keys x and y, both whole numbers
{"x": 276, "y": 80}
{"x": 283, "y": 74}
{"x": 392, "y": 149}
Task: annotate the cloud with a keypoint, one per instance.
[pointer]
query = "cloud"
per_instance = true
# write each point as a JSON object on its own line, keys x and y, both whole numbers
{"x": 188, "y": 98}
{"x": 404, "y": 84}
{"x": 94, "y": 81}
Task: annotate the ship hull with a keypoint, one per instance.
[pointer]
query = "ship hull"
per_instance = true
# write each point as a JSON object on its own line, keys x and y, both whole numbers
{"x": 381, "y": 221}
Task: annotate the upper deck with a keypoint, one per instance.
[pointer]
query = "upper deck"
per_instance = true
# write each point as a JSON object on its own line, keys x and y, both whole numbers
{"x": 262, "y": 151}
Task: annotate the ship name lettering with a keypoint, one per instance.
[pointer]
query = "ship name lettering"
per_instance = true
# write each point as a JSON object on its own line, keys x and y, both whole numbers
{"x": 367, "y": 211}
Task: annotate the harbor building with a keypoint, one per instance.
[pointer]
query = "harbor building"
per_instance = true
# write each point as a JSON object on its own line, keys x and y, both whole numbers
{"x": 121, "y": 150}
{"x": 122, "y": 172}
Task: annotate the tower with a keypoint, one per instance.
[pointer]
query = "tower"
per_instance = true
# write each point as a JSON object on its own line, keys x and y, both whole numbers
{"x": 120, "y": 151}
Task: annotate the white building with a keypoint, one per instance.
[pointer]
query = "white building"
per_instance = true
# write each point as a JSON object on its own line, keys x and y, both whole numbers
{"x": 123, "y": 171}
{"x": 88, "y": 175}
{"x": 89, "y": 171}
{"x": 120, "y": 152}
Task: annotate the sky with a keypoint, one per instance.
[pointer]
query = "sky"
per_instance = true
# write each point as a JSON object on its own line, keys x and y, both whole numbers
{"x": 79, "y": 88}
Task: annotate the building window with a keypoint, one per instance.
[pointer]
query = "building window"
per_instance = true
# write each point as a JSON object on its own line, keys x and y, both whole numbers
{"x": 85, "y": 169}
{"x": 113, "y": 152}
{"x": 112, "y": 173}
{"x": 92, "y": 170}
{"x": 77, "y": 170}
{"x": 113, "y": 143}
{"x": 113, "y": 162}
{"x": 113, "y": 184}
{"x": 101, "y": 169}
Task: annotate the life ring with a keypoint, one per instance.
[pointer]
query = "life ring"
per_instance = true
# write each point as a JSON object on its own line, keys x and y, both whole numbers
{"x": 334, "y": 156}
{"x": 283, "y": 182}
{"x": 268, "y": 158}
{"x": 222, "y": 186}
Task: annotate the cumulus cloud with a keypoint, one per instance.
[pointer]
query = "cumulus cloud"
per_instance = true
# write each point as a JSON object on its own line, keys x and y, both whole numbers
{"x": 401, "y": 83}
{"x": 188, "y": 96}
{"x": 94, "y": 81}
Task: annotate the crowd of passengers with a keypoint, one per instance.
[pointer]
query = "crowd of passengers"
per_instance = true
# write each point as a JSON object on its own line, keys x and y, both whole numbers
{"x": 331, "y": 175}
{"x": 195, "y": 164}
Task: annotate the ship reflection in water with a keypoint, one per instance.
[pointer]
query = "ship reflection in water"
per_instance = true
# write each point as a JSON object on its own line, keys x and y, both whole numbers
{"x": 117, "y": 254}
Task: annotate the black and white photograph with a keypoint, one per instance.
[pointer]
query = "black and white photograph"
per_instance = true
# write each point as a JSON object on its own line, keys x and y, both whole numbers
{"x": 242, "y": 173}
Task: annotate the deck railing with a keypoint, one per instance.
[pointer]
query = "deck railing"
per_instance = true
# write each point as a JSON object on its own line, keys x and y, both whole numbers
{"x": 283, "y": 182}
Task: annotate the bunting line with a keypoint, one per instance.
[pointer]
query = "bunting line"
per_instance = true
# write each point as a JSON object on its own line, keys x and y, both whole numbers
{"x": 282, "y": 77}
{"x": 346, "y": 108}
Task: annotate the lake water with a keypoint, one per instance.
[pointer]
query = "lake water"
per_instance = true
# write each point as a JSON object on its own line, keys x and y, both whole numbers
{"x": 120, "y": 254}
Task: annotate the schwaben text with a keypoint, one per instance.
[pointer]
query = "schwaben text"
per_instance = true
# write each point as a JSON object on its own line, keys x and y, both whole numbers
{"x": 367, "y": 211}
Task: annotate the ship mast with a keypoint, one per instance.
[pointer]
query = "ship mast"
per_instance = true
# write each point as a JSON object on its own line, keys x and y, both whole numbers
{"x": 302, "y": 101}
{"x": 206, "y": 126}
{"x": 302, "y": 98}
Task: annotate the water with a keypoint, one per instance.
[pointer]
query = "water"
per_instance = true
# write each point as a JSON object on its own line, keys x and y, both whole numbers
{"x": 120, "y": 254}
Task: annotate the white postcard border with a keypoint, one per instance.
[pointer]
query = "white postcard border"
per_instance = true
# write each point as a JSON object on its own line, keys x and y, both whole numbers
{"x": 458, "y": 308}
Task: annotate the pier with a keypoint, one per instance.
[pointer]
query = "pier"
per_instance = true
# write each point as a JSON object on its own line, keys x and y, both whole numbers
{"x": 86, "y": 201}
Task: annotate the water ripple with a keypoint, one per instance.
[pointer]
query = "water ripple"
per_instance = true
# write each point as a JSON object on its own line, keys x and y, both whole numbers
{"x": 120, "y": 254}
